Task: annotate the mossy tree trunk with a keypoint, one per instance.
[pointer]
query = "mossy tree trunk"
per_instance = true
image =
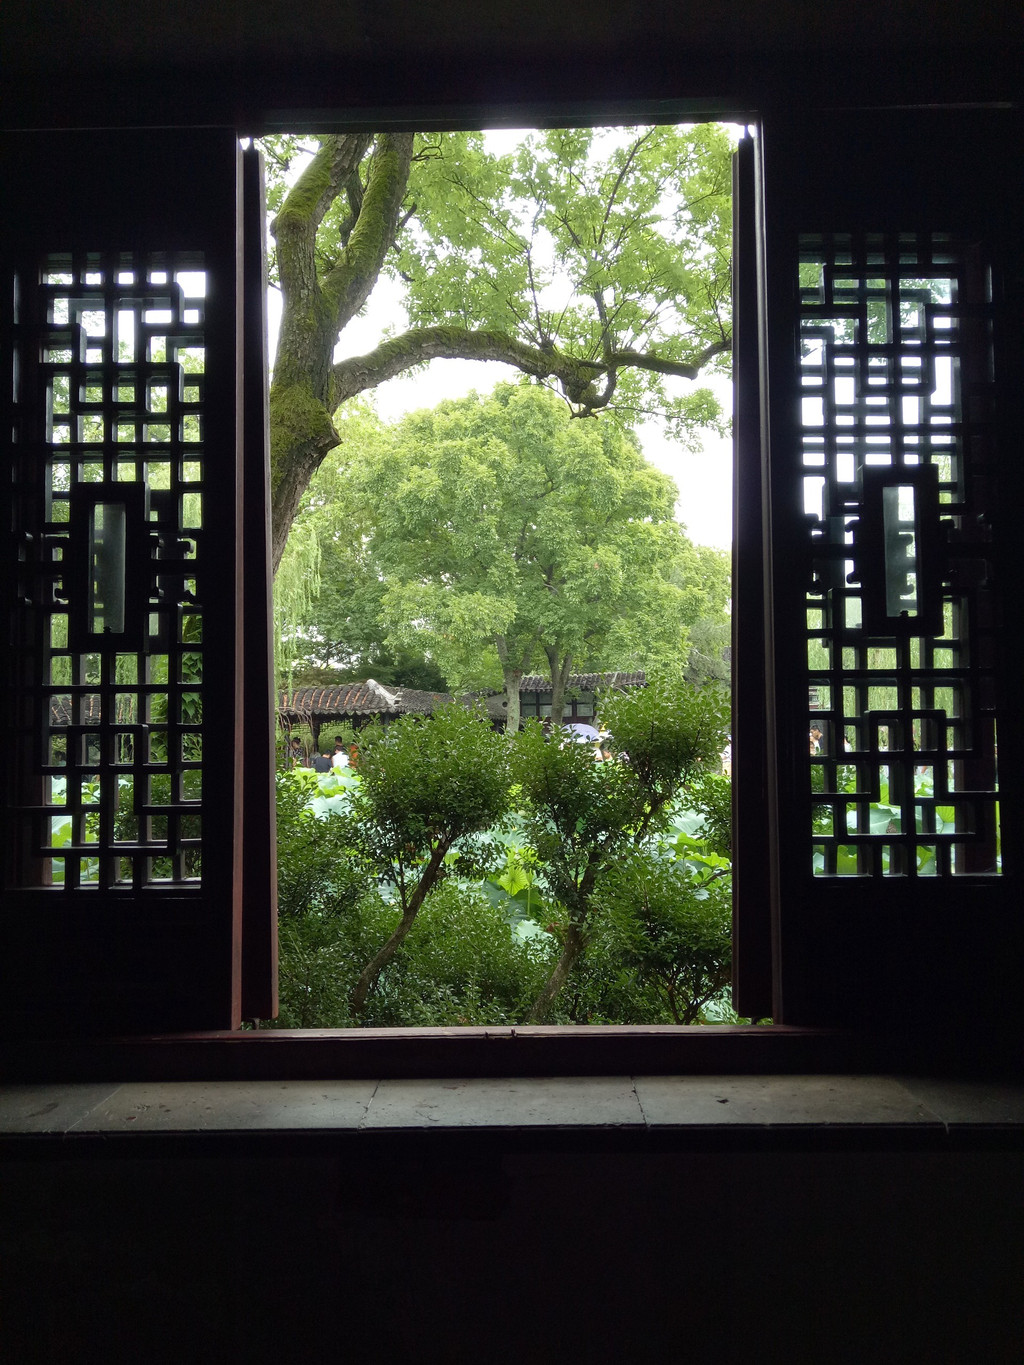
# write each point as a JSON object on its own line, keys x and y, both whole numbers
{"x": 319, "y": 299}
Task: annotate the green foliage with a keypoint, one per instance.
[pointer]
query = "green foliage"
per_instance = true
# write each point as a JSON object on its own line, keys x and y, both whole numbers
{"x": 409, "y": 894}
{"x": 460, "y": 964}
{"x": 427, "y": 784}
{"x": 580, "y": 814}
{"x": 426, "y": 787}
{"x": 583, "y": 816}
{"x": 597, "y": 260}
{"x": 296, "y": 590}
{"x": 670, "y": 732}
{"x": 673, "y": 926}
{"x": 710, "y": 794}
{"x": 587, "y": 240}
{"x": 883, "y": 817}
{"x": 319, "y": 959}
{"x": 331, "y": 624}
{"x": 490, "y": 532}
{"x": 317, "y": 877}
{"x": 602, "y": 989}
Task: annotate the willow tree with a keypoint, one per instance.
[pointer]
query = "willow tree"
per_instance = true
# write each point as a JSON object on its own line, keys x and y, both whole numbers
{"x": 596, "y": 262}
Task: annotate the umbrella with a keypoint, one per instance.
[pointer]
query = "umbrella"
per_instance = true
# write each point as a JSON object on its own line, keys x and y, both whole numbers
{"x": 585, "y": 734}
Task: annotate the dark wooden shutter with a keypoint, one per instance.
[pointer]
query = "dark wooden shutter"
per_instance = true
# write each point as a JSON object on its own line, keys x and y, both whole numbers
{"x": 893, "y": 413}
{"x": 752, "y": 921}
{"x": 259, "y": 830}
{"x": 123, "y": 410}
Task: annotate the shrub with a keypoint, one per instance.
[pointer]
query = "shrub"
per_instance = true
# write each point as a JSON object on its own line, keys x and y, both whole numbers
{"x": 672, "y": 926}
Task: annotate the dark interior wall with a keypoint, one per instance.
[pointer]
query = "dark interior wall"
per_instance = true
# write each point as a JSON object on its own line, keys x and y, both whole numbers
{"x": 108, "y": 32}
{"x": 501, "y": 1254}
{"x": 493, "y": 1254}
{"x": 259, "y": 63}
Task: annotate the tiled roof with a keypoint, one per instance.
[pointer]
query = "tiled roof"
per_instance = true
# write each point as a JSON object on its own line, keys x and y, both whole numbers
{"x": 409, "y": 699}
{"x": 61, "y": 709}
{"x": 350, "y": 699}
{"x": 584, "y": 682}
{"x": 369, "y": 698}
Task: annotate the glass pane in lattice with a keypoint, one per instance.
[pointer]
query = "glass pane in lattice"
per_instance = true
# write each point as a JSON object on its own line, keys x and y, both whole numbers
{"x": 109, "y": 627}
{"x": 895, "y": 419}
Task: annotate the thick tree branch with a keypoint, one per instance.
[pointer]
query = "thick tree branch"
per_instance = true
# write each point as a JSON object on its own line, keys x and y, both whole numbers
{"x": 349, "y": 284}
{"x": 317, "y": 187}
{"x": 689, "y": 369}
{"x": 579, "y": 378}
{"x": 354, "y": 195}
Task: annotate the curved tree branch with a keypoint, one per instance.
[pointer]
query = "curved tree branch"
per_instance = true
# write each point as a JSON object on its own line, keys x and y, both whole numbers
{"x": 578, "y": 378}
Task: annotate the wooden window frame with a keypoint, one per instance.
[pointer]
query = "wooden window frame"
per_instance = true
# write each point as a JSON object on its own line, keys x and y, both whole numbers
{"x": 568, "y": 1050}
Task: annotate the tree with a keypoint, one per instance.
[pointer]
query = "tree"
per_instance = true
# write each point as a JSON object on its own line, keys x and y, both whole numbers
{"x": 600, "y": 263}
{"x": 708, "y": 586}
{"x": 673, "y": 928}
{"x": 328, "y": 592}
{"x": 584, "y": 817}
{"x": 426, "y": 786}
{"x": 501, "y": 524}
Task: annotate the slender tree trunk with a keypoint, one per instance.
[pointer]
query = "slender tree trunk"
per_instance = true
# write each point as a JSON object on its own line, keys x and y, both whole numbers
{"x": 571, "y": 953}
{"x": 368, "y": 976}
{"x": 512, "y": 671}
{"x": 512, "y": 676}
{"x": 513, "y": 710}
{"x": 559, "y": 670}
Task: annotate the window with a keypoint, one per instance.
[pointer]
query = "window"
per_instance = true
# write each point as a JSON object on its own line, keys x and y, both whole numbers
{"x": 896, "y": 400}
{"x": 142, "y": 955}
{"x": 113, "y": 525}
{"x": 889, "y": 400}
{"x": 123, "y": 423}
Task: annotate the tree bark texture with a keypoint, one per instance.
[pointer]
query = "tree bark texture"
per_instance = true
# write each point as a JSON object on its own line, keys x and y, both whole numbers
{"x": 559, "y": 670}
{"x": 572, "y": 951}
{"x": 318, "y": 302}
{"x": 368, "y": 976}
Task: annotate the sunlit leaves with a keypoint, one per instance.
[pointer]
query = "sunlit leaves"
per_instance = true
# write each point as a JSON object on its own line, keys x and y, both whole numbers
{"x": 590, "y": 240}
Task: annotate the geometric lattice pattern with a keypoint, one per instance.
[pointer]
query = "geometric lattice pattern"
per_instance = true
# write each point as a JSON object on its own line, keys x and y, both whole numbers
{"x": 109, "y": 632}
{"x": 900, "y": 609}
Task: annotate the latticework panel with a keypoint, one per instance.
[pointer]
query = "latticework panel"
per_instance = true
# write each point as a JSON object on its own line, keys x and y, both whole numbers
{"x": 108, "y": 505}
{"x": 900, "y": 615}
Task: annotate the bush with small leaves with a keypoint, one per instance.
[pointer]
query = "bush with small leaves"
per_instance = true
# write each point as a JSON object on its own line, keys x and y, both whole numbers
{"x": 427, "y": 787}
{"x": 672, "y": 926}
{"x": 582, "y": 815}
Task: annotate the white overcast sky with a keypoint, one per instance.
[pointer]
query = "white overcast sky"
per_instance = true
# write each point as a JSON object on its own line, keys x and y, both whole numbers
{"x": 704, "y": 478}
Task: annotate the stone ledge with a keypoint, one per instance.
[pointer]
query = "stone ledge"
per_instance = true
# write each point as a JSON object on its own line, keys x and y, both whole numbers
{"x": 652, "y": 1104}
